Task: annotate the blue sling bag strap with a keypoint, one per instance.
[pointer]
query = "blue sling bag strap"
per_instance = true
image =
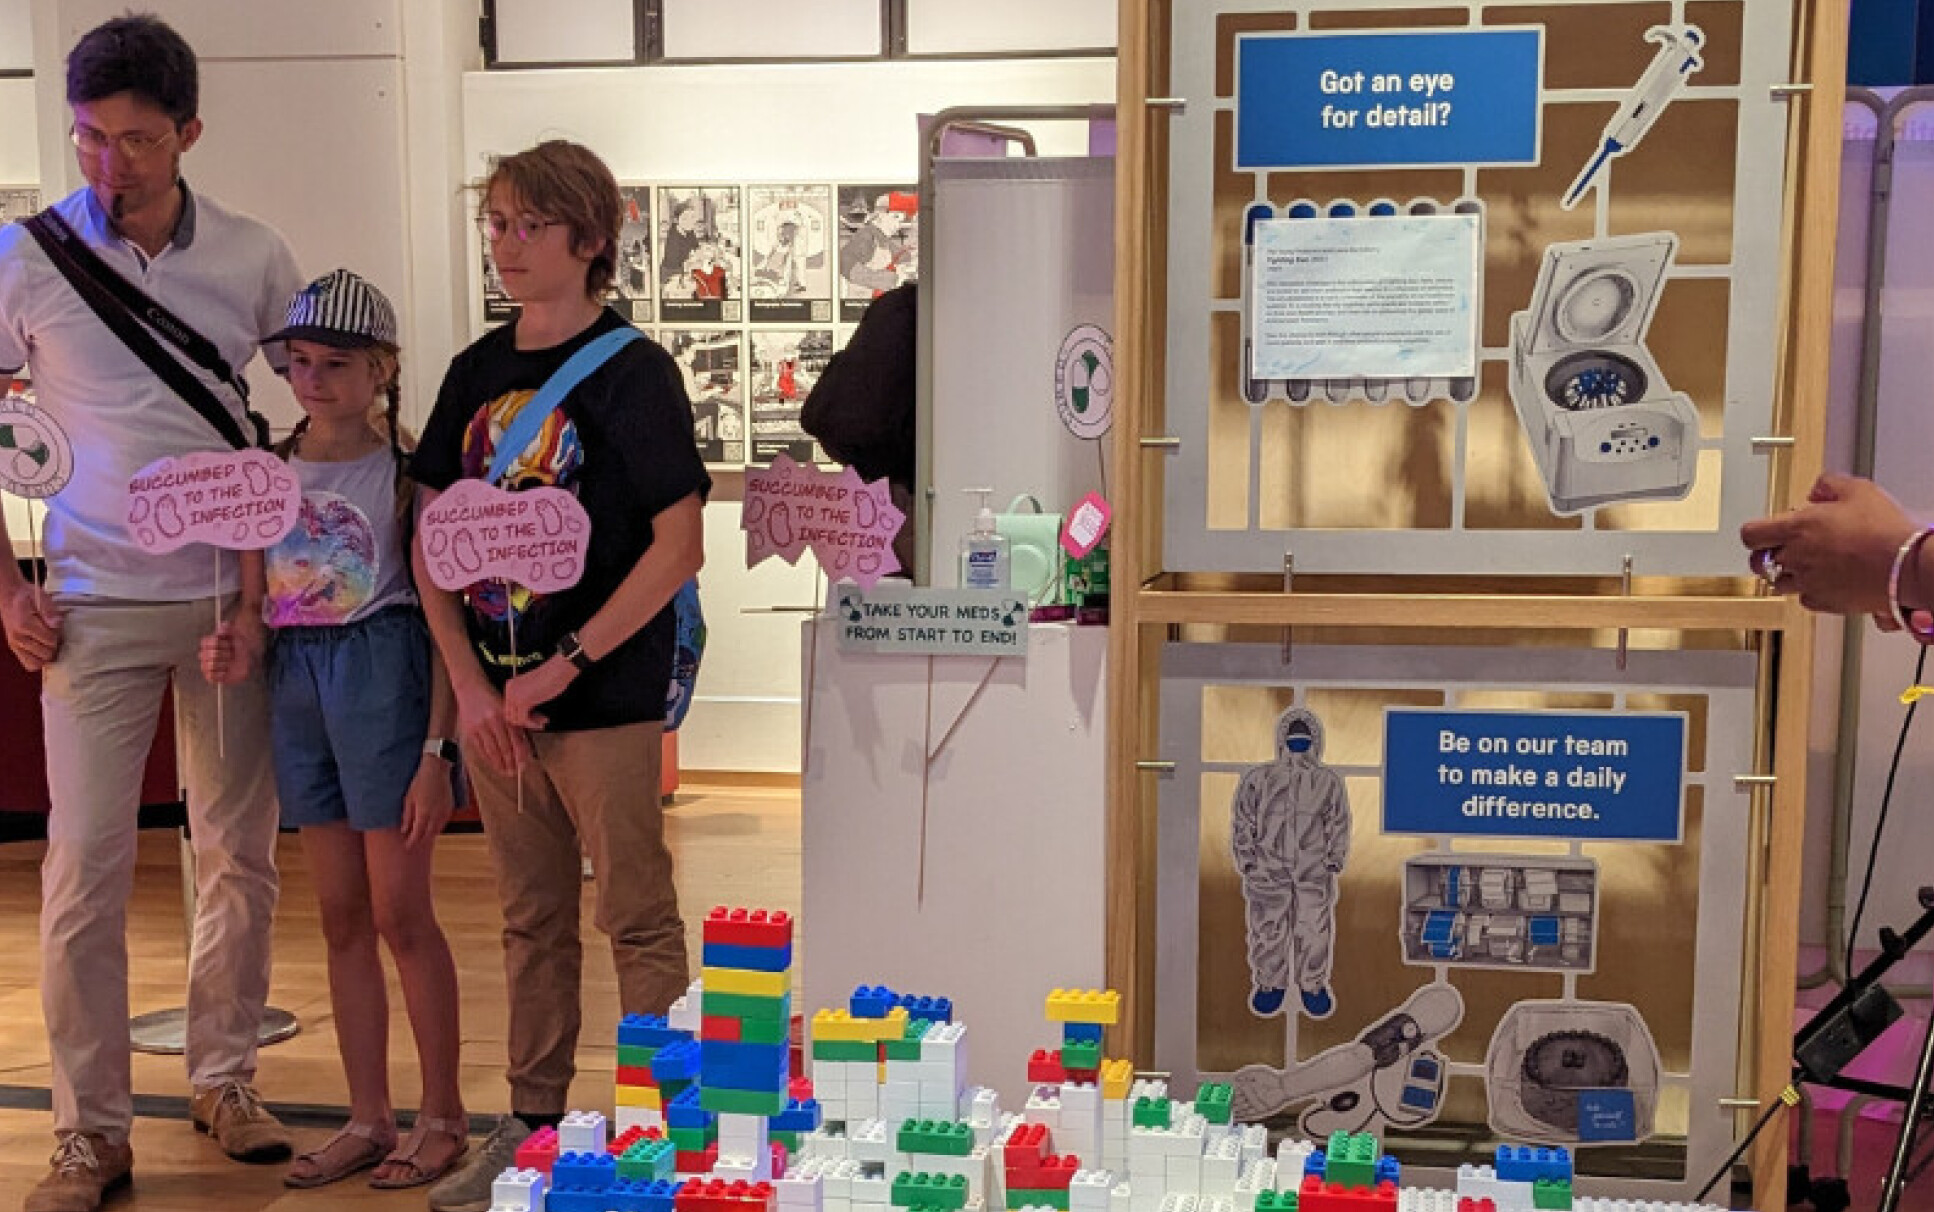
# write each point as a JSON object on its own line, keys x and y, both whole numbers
{"x": 529, "y": 420}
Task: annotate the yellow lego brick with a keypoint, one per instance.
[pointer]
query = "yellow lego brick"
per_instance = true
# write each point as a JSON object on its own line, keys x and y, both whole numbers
{"x": 649, "y": 1097}
{"x": 739, "y": 980}
{"x": 838, "y": 1025}
{"x": 1098, "y": 1006}
{"x": 1116, "y": 1077}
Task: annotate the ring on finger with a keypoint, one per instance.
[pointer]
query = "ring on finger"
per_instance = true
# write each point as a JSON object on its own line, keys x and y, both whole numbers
{"x": 1766, "y": 562}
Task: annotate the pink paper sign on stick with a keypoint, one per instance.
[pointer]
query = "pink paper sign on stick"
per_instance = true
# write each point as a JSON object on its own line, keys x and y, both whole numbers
{"x": 475, "y": 532}
{"x": 1086, "y": 526}
{"x": 238, "y": 499}
{"x": 847, "y": 523}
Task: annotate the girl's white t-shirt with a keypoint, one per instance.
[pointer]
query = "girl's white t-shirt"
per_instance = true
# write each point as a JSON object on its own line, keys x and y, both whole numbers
{"x": 345, "y": 558}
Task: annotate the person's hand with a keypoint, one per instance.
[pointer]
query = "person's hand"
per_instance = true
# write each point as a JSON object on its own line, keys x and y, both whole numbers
{"x": 32, "y": 624}
{"x": 485, "y": 731}
{"x": 428, "y": 803}
{"x": 1836, "y": 551}
{"x": 526, "y": 692}
{"x": 234, "y": 650}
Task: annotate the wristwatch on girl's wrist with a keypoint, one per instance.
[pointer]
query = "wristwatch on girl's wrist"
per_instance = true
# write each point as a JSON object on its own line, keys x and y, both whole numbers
{"x": 572, "y": 649}
{"x": 442, "y": 747}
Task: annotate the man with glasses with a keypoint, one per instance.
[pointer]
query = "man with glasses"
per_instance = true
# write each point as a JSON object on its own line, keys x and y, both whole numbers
{"x": 115, "y": 624}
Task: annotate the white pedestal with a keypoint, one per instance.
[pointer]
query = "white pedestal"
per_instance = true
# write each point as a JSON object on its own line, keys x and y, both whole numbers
{"x": 1013, "y": 903}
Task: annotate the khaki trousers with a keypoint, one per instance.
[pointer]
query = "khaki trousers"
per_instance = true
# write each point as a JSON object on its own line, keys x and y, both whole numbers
{"x": 593, "y": 793}
{"x": 100, "y": 701}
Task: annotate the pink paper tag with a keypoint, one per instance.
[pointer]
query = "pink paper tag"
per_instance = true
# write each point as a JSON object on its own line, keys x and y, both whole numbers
{"x": 847, "y": 523}
{"x": 1086, "y": 526}
{"x": 475, "y": 532}
{"x": 239, "y": 499}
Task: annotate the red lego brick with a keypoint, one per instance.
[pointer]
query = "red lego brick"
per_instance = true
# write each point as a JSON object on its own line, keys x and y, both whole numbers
{"x": 1319, "y": 1196}
{"x": 539, "y": 1151}
{"x": 1467, "y": 1204}
{"x": 724, "y": 1030}
{"x": 717, "y": 1195}
{"x": 624, "y": 1140}
{"x": 1044, "y": 1067}
{"x": 779, "y": 1159}
{"x": 748, "y": 927}
{"x": 800, "y": 1088}
{"x": 1090, "y": 1077}
{"x": 636, "y": 1075}
{"x": 1027, "y": 1145}
{"x": 690, "y": 1163}
{"x": 1050, "y": 1174}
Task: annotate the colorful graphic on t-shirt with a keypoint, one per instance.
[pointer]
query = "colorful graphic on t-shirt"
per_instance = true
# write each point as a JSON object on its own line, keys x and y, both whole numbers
{"x": 551, "y": 460}
{"x": 326, "y": 568}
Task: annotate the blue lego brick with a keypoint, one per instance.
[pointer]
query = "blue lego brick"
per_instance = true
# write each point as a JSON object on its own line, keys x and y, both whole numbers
{"x": 1388, "y": 1171}
{"x": 932, "y": 1009}
{"x": 654, "y": 1196}
{"x": 749, "y": 959}
{"x": 799, "y": 1116}
{"x": 729, "y": 1064}
{"x": 1081, "y": 1033}
{"x": 649, "y": 1031}
{"x": 1544, "y": 932}
{"x": 1526, "y": 1164}
{"x": 576, "y": 1201}
{"x": 676, "y": 1062}
{"x": 1317, "y": 1164}
{"x": 872, "y": 1001}
{"x": 684, "y": 1111}
{"x": 584, "y": 1172}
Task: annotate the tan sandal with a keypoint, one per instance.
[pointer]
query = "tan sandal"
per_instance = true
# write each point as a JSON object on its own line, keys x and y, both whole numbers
{"x": 415, "y": 1174}
{"x": 371, "y": 1145}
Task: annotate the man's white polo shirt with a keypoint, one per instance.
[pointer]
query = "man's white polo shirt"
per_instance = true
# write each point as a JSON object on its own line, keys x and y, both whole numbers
{"x": 226, "y": 274}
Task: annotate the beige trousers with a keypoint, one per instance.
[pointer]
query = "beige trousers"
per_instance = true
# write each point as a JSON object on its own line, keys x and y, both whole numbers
{"x": 596, "y": 789}
{"x": 100, "y": 701}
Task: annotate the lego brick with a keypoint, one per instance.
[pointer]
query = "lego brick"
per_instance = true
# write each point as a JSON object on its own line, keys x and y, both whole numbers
{"x": 1316, "y": 1195}
{"x": 714, "y": 1027}
{"x": 907, "y": 1047}
{"x": 831, "y": 1025}
{"x": 1351, "y": 1160}
{"x": 1152, "y": 1113}
{"x": 690, "y": 1140}
{"x": 519, "y": 1188}
{"x": 1551, "y": 1194}
{"x": 752, "y": 959}
{"x": 800, "y": 1115}
{"x": 1079, "y": 1056}
{"x": 676, "y": 1062}
{"x": 872, "y": 1001}
{"x": 1027, "y": 1144}
{"x": 582, "y": 1132}
{"x": 1526, "y": 1163}
{"x": 745, "y": 1005}
{"x": 647, "y": 1159}
{"x": 1213, "y": 1102}
{"x": 636, "y": 1075}
{"x": 844, "y": 1050}
{"x": 1116, "y": 1077}
{"x": 628, "y": 1136}
{"x": 539, "y": 1151}
{"x": 685, "y": 1111}
{"x": 1081, "y": 1033}
{"x": 761, "y": 1030}
{"x": 1098, "y": 1006}
{"x": 928, "y": 1009}
{"x": 637, "y": 1056}
{"x": 742, "y": 1102}
{"x": 747, "y": 981}
{"x": 1276, "y": 1201}
{"x": 1045, "y": 1066}
{"x": 648, "y": 1097}
{"x": 739, "y": 927}
{"x": 1050, "y": 1173}
{"x": 647, "y": 1030}
{"x": 924, "y": 1190}
{"x": 1023, "y": 1197}
{"x": 583, "y": 1172}
{"x": 721, "y": 1060}
{"x": 943, "y": 1137}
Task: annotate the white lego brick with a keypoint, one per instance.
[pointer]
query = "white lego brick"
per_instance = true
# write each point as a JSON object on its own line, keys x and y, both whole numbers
{"x": 983, "y": 1107}
{"x": 581, "y": 1132}
{"x": 1426, "y": 1199}
{"x": 1255, "y": 1142}
{"x": 1147, "y": 1087}
{"x": 869, "y": 1141}
{"x": 517, "y": 1190}
{"x": 1179, "y": 1202}
{"x": 741, "y": 1133}
{"x": 799, "y": 1191}
{"x": 1185, "y": 1174}
{"x": 1482, "y": 1182}
{"x": 1217, "y": 1203}
{"x": 1221, "y": 1166}
{"x": 1088, "y": 1190}
{"x": 626, "y": 1118}
{"x": 1291, "y": 1156}
{"x": 868, "y": 1189}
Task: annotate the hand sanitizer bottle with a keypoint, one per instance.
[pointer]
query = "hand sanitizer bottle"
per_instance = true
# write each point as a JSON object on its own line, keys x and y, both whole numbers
{"x": 983, "y": 550}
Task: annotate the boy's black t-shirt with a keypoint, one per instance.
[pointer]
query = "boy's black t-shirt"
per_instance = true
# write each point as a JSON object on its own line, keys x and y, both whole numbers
{"x": 622, "y": 443}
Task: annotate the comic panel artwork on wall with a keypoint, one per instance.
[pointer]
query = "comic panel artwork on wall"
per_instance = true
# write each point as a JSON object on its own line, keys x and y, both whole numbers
{"x": 634, "y": 280}
{"x": 17, "y": 202}
{"x": 1530, "y": 224}
{"x": 701, "y": 243}
{"x": 1419, "y": 900}
{"x": 712, "y": 361}
{"x": 879, "y": 244}
{"x": 785, "y": 365}
{"x": 790, "y": 239}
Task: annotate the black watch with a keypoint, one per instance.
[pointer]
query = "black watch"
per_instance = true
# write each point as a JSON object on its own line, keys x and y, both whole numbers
{"x": 572, "y": 649}
{"x": 443, "y": 747}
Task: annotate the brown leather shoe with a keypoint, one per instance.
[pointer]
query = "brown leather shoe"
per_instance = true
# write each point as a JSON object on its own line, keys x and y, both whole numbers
{"x": 85, "y": 1168}
{"x": 232, "y": 1113}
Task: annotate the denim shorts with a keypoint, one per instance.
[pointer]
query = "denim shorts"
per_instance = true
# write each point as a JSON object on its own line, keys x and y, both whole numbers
{"x": 351, "y": 711}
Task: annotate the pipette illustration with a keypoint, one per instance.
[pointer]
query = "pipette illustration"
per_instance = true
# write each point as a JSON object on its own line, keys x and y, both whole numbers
{"x": 1678, "y": 58}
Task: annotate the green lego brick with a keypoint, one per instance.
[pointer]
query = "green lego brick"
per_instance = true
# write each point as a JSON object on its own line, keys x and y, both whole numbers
{"x": 765, "y": 1031}
{"x": 1076, "y": 1055}
{"x": 945, "y": 1138}
{"x": 1549, "y": 1193}
{"x": 842, "y": 1050}
{"x": 746, "y": 1005}
{"x": 1275, "y": 1201}
{"x": 1213, "y": 1101}
{"x": 691, "y": 1140}
{"x": 907, "y": 1047}
{"x": 1152, "y": 1112}
{"x": 647, "y": 1159}
{"x": 742, "y": 1102}
{"x": 1021, "y": 1197}
{"x": 635, "y": 1054}
{"x": 918, "y": 1189}
{"x": 1351, "y": 1159}
{"x": 789, "y": 1139}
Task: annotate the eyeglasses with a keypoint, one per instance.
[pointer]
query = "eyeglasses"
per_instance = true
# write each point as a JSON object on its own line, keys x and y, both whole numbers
{"x": 134, "y": 145}
{"x": 525, "y": 227}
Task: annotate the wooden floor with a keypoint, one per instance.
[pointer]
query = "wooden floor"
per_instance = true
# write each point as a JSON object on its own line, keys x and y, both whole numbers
{"x": 736, "y": 846}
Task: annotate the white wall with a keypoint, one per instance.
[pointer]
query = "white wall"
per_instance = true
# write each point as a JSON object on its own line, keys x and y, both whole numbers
{"x": 19, "y": 152}
{"x": 816, "y": 122}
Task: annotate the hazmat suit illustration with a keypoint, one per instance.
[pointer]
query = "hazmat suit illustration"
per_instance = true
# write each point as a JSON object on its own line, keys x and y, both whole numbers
{"x": 1290, "y": 835}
